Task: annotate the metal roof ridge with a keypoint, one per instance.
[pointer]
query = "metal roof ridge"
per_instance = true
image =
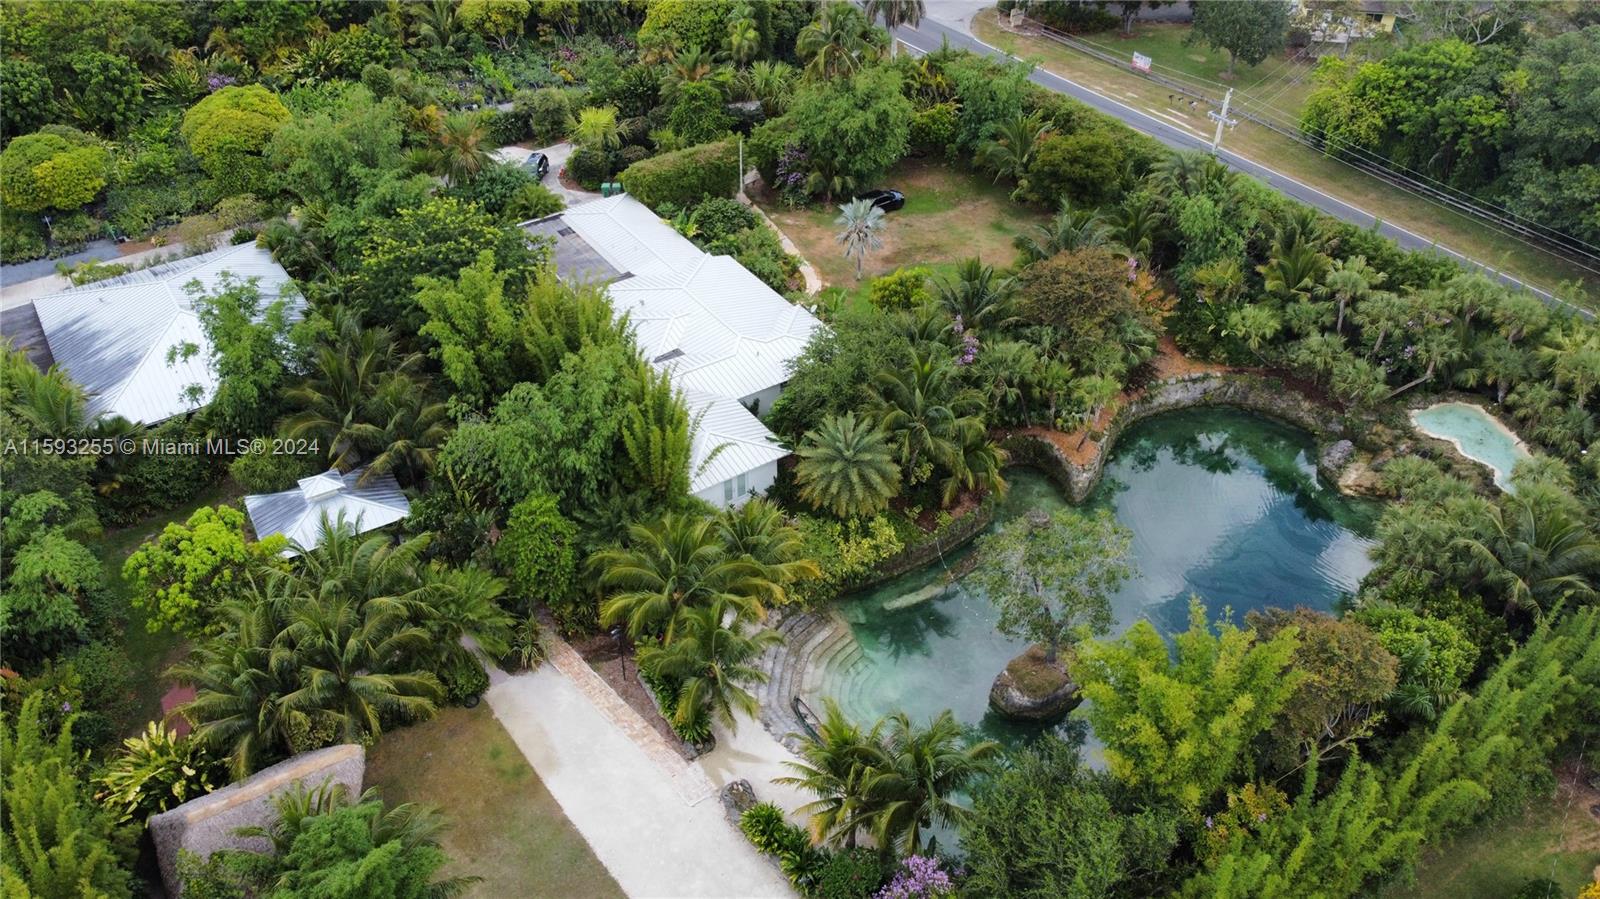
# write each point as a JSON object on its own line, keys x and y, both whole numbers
{"x": 133, "y": 370}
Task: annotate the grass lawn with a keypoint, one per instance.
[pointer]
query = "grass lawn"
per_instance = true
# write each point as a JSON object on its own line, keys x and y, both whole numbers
{"x": 1558, "y": 838}
{"x": 1282, "y": 81}
{"x": 505, "y": 826}
{"x": 150, "y": 653}
{"x": 950, "y": 214}
{"x": 1459, "y": 232}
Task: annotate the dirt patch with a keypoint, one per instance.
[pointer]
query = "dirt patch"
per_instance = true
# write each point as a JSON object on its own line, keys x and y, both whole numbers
{"x": 602, "y": 654}
{"x": 1578, "y": 795}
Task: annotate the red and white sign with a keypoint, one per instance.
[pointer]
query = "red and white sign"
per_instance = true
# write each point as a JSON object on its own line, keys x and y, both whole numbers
{"x": 1141, "y": 62}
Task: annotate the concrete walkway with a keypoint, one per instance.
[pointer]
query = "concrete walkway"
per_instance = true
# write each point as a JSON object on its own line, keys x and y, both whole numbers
{"x": 558, "y": 156}
{"x": 639, "y": 818}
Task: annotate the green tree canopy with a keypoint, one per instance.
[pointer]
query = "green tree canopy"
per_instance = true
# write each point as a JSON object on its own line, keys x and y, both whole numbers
{"x": 57, "y": 168}
{"x": 852, "y": 129}
{"x": 191, "y": 569}
{"x": 1250, "y": 30}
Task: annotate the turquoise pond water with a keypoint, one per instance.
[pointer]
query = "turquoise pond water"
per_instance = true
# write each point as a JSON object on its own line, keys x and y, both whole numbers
{"x": 1222, "y": 504}
{"x": 1476, "y": 434}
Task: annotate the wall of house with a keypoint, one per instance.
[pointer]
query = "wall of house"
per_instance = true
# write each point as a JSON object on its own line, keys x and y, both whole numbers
{"x": 761, "y": 401}
{"x": 735, "y": 492}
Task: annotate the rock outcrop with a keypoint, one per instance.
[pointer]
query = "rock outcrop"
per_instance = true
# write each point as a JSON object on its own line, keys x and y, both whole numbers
{"x": 1033, "y": 689}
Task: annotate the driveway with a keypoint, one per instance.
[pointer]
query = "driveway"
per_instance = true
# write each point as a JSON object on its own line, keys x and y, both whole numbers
{"x": 558, "y": 159}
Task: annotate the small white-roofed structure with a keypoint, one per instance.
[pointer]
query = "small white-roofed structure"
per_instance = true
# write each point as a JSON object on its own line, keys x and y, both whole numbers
{"x": 726, "y": 337}
{"x": 298, "y": 513}
{"x": 113, "y": 337}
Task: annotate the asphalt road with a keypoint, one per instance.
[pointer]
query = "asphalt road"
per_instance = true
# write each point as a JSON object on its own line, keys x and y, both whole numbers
{"x": 929, "y": 35}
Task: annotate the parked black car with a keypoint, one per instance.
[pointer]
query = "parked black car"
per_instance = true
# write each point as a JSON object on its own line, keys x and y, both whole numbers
{"x": 884, "y": 198}
{"x": 538, "y": 164}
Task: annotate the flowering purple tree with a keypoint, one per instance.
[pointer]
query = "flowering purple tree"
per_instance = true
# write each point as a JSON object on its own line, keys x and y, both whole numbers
{"x": 919, "y": 877}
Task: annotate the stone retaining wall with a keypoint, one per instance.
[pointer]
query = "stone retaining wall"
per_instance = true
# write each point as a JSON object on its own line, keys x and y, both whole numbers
{"x": 1266, "y": 396}
{"x": 953, "y": 536}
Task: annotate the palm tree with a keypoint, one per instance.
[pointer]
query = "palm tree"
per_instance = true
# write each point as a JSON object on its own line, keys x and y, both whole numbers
{"x": 837, "y": 42}
{"x": 1093, "y": 393}
{"x": 460, "y": 149}
{"x": 1070, "y": 229}
{"x": 1256, "y": 325}
{"x": 1010, "y": 152}
{"x": 757, "y": 533}
{"x": 744, "y": 39}
{"x": 597, "y": 128}
{"x": 1293, "y": 271}
{"x": 408, "y": 430}
{"x": 1519, "y": 314}
{"x": 977, "y": 469}
{"x": 771, "y": 82}
{"x": 465, "y": 602}
{"x": 435, "y": 22}
{"x": 1573, "y": 356}
{"x": 1434, "y": 348}
{"x": 834, "y": 766}
{"x": 1135, "y": 224}
{"x": 711, "y": 660}
{"x": 1379, "y": 316}
{"x": 1537, "y": 551}
{"x": 1350, "y": 281}
{"x": 915, "y": 787}
{"x": 846, "y": 467}
{"x": 238, "y": 679}
{"x": 1220, "y": 282}
{"x": 688, "y": 65}
{"x": 1500, "y": 365}
{"x": 975, "y": 294}
{"x": 921, "y": 410}
{"x": 895, "y": 13}
{"x": 677, "y": 563}
{"x": 860, "y": 226}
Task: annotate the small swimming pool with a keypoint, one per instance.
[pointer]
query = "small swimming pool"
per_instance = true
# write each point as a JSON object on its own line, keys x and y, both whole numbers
{"x": 1476, "y": 434}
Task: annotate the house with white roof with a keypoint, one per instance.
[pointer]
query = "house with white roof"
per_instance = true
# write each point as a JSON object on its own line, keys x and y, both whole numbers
{"x": 724, "y": 335}
{"x": 298, "y": 513}
{"x": 113, "y": 337}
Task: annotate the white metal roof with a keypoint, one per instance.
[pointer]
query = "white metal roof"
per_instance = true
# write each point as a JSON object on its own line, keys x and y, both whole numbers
{"x": 298, "y": 513}
{"x": 745, "y": 442}
{"x": 705, "y": 318}
{"x": 112, "y": 337}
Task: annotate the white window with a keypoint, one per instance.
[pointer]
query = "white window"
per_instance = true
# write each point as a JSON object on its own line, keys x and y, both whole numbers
{"x": 744, "y": 484}
{"x": 727, "y": 492}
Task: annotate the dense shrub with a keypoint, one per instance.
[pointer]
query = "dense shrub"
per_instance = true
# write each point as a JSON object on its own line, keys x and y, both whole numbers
{"x": 903, "y": 288}
{"x": 504, "y": 127}
{"x": 228, "y": 130}
{"x": 463, "y": 677}
{"x": 1086, "y": 167}
{"x": 631, "y": 154}
{"x": 548, "y": 112}
{"x": 852, "y": 874}
{"x": 495, "y": 187}
{"x": 532, "y": 201}
{"x": 933, "y": 129}
{"x": 720, "y": 217}
{"x": 57, "y": 168}
{"x": 589, "y": 166}
{"x": 684, "y": 177}
{"x": 21, "y": 237}
{"x": 538, "y": 549}
{"x": 698, "y": 115}
{"x": 267, "y": 472}
{"x": 759, "y": 250}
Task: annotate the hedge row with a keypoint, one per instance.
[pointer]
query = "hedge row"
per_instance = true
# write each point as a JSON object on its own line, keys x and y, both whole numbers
{"x": 683, "y": 178}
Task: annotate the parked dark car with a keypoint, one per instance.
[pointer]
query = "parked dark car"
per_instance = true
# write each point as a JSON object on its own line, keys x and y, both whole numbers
{"x": 884, "y": 198}
{"x": 538, "y": 164}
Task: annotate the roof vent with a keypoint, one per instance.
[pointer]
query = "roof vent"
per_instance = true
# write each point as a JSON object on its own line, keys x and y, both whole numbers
{"x": 565, "y": 231}
{"x": 666, "y": 357}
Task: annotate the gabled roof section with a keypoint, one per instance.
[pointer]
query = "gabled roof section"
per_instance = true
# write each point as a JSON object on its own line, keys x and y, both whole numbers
{"x": 708, "y": 320}
{"x": 745, "y": 443}
{"x": 298, "y": 513}
{"x": 113, "y": 337}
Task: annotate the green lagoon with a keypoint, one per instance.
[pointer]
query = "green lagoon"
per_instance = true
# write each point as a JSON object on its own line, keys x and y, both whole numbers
{"x": 1222, "y": 504}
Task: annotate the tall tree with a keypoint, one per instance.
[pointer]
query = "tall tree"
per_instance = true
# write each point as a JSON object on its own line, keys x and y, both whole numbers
{"x": 1250, "y": 30}
{"x": 861, "y": 226}
{"x": 1052, "y": 576}
{"x": 669, "y": 567}
{"x": 711, "y": 661}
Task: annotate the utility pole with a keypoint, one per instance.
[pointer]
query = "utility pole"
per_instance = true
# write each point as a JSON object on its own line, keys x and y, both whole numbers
{"x": 1222, "y": 119}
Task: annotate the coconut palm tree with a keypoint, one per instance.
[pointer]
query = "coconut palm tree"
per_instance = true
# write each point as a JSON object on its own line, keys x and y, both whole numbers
{"x": 1135, "y": 224}
{"x": 977, "y": 469}
{"x": 860, "y": 230}
{"x": 757, "y": 533}
{"x": 838, "y": 42}
{"x": 915, "y": 786}
{"x": 834, "y": 766}
{"x": 922, "y": 410}
{"x": 744, "y": 39}
{"x": 711, "y": 660}
{"x": 847, "y": 468}
{"x": 1010, "y": 152}
{"x": 464, "y": 602}
{"x": 597, "y": 128}
{"x": 975, "y": 294}
{"x": 407, "y": 431}
{"x": 895, "y": 13}
{"x": 1537, "y": 551}
{"x": 1070, "y": 229}
{"x": 1349, "y": 281}
{"x": 676, "y": 563}
{"x": 1293, "y": 271}
{"x": 239, "y": 678}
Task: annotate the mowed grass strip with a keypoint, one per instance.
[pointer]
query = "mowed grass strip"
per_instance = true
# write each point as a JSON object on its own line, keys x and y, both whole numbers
{"x": 505, "y": 827}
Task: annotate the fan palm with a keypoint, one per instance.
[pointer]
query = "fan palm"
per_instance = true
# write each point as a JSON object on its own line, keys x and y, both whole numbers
{"x": 1350, "y": 281}
{"x": 837, "y": 42}
{"x": 860, "y": 229}
{"x": 677, "y": 563}
{"x": 835, "y": 765}
{"x": 711, "y": 660}
{"x": 846, "y": 467}
{"x": 1537, "y": 552}
{"x": 1573, "y": 356}
{"x": 1500, "y": 365}
{"x": 1070, "y": 229}
{"x": 1010, "y": 152}
{"x": 915, "y": 787}
{"x": 756, "y": 532}
{"x": 1381, "y": 315}
{"x": 975, "y": 294}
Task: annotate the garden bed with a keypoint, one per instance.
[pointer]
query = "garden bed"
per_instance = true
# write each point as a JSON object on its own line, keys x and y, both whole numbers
{"x": 600, "y": 651}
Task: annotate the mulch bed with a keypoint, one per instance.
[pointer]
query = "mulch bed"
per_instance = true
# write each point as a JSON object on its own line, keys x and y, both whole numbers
{"x": 600, "y": 651}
